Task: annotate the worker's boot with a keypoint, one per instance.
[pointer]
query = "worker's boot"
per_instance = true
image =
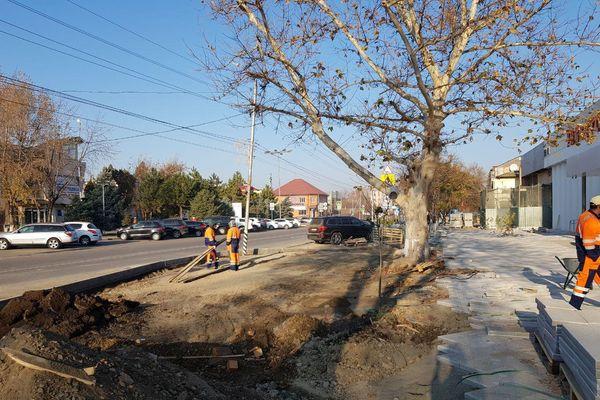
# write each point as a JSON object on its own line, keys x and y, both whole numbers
{"x": 233, "y": 267}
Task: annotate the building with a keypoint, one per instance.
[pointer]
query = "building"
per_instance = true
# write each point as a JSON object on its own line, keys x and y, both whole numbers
{"x": 575, "y": 169}
{"x": 500, "y": 197}
{"x": 63, "y": 180}
{"x": 550, "y": 185}
{"x": 304, "y": 198}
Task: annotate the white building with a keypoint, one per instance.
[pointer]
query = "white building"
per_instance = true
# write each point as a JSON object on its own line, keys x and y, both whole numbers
{"x": 575, "y": 166}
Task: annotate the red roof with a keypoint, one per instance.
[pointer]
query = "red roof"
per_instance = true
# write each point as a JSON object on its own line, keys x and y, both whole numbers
{"x": 296, "y": 187}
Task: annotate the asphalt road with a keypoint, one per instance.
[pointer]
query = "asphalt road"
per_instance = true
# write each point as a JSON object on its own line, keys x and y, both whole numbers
{"x": 40, "y": 268}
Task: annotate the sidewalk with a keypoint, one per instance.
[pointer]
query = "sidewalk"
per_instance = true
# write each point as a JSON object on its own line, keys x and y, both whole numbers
{"x": 500, "y": 301}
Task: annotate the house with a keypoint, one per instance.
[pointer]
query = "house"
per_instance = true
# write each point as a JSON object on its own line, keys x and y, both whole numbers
{"x": 500, "y": 197}
{"x": 304, "y": 198}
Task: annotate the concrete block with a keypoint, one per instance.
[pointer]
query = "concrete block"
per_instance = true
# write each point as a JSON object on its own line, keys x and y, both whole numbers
{"x": 507, "y": 392}
{"x": 588, "y": 338}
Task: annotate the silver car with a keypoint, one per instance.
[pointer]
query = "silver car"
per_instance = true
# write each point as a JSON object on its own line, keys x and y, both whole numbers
{"x": 87, "y": 232}
{"x": 53, "y": 236}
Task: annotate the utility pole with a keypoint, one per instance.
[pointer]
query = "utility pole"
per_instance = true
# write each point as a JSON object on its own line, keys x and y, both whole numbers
{"x": 250, "y": 163}
{"x": 278, "y": 154}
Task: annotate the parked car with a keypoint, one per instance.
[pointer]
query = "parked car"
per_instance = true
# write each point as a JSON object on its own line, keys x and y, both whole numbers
{"x": 270, "y": 224}
{"x": 143, "y": 230}
{"x": 259, "y": 223}
{"x": 305, "y": 221}
{"x": 241, "y": 223}
{"x": 195, "y": 228}
{"x": 87, "y": 232}
{"x": 53, "y": 236}
{"x": 295, "y": 222}
{"x": 221, "y": 221}
{"x": 283, "y": 223}
{"x": 178, "y": 225}
{"x": 337, "y": 229}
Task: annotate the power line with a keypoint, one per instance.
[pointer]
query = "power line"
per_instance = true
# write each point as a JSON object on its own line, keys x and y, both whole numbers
{"x": 126, "y": 92}
{"x": 81, "y": 100}
{"x": 102, "y": 40}
{"x": 142, "y": 132}
{"x": 143, "y": 76}
{"x": 131, "y": 31}
{"x": 194, "y": 131}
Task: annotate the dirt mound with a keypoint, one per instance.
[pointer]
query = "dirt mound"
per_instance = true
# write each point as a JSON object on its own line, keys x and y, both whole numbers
{"x": 128, "y": 373}
{"x": 291, "y": 335}
{"x": 59, "y": 312}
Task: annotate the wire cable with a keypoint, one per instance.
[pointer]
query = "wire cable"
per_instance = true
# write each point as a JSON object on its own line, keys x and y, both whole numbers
{"x": 102, "y": 40}
{"x": 38, "y": 88}
{"x": 143, "y": 76}
{"x": 131, "y": 31}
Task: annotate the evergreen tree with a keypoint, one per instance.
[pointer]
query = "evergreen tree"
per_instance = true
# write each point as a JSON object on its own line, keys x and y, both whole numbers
{"x": 150, "y": 198}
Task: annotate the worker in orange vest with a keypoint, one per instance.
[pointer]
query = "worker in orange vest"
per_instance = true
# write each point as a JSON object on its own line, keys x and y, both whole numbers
{"x": 233, "y": 245}
{"x": 587, "y": 241}
{"x": 210, "y": 239}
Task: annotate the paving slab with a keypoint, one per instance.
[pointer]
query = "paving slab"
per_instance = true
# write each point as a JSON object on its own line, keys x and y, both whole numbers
{"x": 588, "y": 337}
{"x": 508, "y": 392}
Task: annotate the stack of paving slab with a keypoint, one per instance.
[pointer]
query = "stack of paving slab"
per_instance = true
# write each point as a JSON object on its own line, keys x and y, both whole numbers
{"x": 552, "y": 317}
{"x": 580, "y": 349}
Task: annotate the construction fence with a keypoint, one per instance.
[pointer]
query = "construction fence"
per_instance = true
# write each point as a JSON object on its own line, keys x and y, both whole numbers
{"x": 524, "y": 207}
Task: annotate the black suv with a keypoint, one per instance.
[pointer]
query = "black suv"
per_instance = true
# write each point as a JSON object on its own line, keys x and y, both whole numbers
{"x": 337, "y": 229}
{"x": 221, "y": 221}
{"x": 178, "y": 225}
{"x": 195, "y": 228}
{"x": 145, "y": 229}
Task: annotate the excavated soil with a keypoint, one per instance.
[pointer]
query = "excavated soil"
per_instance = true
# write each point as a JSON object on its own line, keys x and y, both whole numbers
{"x": 308, "y": 326}
{"x": 58, "y": 312}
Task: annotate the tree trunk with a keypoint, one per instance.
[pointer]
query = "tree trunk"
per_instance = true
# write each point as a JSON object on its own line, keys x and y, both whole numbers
{"x": 420, "y": 177}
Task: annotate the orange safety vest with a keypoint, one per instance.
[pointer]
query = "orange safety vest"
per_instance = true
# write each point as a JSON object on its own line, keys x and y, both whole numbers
{"x": 588, "y": 229}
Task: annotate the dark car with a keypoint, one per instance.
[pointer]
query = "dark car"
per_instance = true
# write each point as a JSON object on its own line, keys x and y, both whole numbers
{"x": 143, "y": 230}
{"x": 221, "y": 221}
{"x": 178, "y": 225}
{"x": 337, "y": 229}
{"x": 195, "y": 228}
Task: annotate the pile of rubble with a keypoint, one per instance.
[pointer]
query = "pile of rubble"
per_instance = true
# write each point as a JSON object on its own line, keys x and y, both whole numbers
{"x": 35, "y": 364}
{"x": 59, "y": 312}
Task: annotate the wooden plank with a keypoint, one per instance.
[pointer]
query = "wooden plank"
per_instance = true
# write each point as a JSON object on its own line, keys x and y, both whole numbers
{"x": 42, "y": 364}
{"x": 199, "y": 357}
{"x": 193, "y": 263}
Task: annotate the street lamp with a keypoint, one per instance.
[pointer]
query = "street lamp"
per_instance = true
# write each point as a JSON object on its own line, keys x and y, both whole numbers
{"x": 104, "y": 184}
{"x": 278, "y": 154}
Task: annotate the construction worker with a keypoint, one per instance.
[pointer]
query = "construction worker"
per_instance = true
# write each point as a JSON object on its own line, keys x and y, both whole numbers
{"x": 210, "y": 239}
{"x": 233, "y": 245}
{"x": 587, "y": 241}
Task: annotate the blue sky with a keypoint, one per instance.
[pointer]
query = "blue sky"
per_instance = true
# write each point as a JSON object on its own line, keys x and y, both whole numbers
{"x": 178, "y": 26}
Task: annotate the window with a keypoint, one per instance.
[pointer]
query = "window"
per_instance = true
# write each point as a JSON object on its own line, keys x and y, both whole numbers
{"x": 346, "y": 221}
{"x": 137, "y": 226}
{"x": 302, "y": 212}
{"x": 26, "y": 229}
{"x": 91, "y": 226}
{"x": 302, "y": 199}
{"x": 75, "y": 226}
{"x": 333, "y": 221}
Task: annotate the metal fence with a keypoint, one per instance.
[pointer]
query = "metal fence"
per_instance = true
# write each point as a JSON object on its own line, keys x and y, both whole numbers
{"x": 527, "y": 206}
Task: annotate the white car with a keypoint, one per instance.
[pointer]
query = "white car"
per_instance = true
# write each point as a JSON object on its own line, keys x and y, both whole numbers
{"x": 283, "y": 223}
{"x": 241, "y": 223}
{"x": 86, "y": 232}
{"x": 295, "y": 222}
{"x": 271, "y": 224}
{"x": 53, "y": 236}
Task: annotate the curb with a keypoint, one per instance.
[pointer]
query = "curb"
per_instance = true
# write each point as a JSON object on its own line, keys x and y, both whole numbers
{"x": 98, "y": 282}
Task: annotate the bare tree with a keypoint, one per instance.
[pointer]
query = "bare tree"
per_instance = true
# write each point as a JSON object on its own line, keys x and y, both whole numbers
{"x": 402, "y": 72}
{"x": 42, "y": 156}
